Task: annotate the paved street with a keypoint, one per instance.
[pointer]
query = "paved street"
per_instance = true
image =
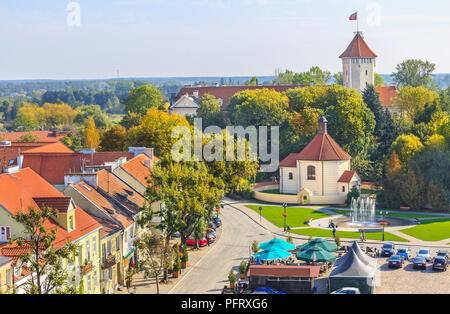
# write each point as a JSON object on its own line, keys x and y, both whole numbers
{"x": 210, "y": 274}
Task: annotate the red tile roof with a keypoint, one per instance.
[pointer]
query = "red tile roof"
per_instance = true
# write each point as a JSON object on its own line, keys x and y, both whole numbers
{"x": 42, "y": 136}
{"x": 17, "y": 193}
{"x": 387, "y": 93}
{"x": 321, "y": 148}
{"x": 226, "y": 92}
{"x": 99, "y": 158}
{"x": 289, "y": 161}
{"x": 358, "y": 48}
{"x": 285, "y": 271}
{"x": 347, "y": 176}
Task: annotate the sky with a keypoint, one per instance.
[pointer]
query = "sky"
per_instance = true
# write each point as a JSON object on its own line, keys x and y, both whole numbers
{"x": 92, "y": 39}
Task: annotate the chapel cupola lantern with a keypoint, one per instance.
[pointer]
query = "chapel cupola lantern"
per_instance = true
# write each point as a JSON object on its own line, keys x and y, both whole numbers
{"x": 323, "y": 125}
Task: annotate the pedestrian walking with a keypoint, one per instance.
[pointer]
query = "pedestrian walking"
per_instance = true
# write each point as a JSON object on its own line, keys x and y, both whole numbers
{"x": 334, "y": 232}
{"x": 363, "y": 235}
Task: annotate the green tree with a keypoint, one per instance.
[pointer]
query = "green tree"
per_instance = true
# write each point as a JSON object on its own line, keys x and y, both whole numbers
{"x": 142, "y": 98}
{"x": 155, "y": 130}
{"x": 114, "y": 140}
{"x": 413, "y": 73}
{"x": 379, "y": 81}
{"x": 259, "y": 107}
{"x": 412, "y": 100}
{"x": 188, "y": 193}
{"x": 94, "y": 111}
{"x": 252, "y": 82}
{"x": 43, "y": 260}
{"x": 155, "y": 257}
{"x": 210, "y": 112}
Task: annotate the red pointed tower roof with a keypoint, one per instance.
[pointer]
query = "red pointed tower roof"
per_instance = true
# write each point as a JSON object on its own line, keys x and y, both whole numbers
{"x": 321, "y": 148}
{"x": 358, "y": 48}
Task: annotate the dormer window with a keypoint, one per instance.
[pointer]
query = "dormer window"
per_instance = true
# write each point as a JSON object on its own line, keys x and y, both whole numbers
{"x": 71, "y": 227}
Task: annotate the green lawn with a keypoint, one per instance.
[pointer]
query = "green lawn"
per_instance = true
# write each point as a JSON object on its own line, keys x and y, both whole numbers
{"x": 316, "y": 232}
{"x": 296, "y": 216}
{"x": 430, "y": 230}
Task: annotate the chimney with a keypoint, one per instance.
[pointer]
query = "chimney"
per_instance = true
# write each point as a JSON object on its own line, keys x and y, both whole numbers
{"x": 323, "y": 125}
{"x": 148, "y": 163}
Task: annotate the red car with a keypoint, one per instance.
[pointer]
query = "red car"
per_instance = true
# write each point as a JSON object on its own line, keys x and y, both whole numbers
{"x": 201, "y": 242}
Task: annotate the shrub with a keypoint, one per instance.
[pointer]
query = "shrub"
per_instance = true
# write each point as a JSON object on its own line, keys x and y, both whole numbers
{"x": 354, "y": 193}
{"x": 232, "y": 276}
{"x": 338, "y": 241}
{"x": 255, "y": 247}
{"x": 243, "y": 267}
{"x": 177, "y": 264}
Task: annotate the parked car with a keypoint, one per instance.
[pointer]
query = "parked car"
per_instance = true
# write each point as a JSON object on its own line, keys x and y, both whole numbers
{"x": 440, "y": 263}
{"x": 347, "y": 290}
{"x": 217, "y": 221}
{"x": 419, "y": 262}
{"x": 211, "y": 238}
{"x": 212, "y": 225}
{"x": 425, "y": 253}
{"x": 212, "y": 233}
{"x": 443, "y": 254}
{"x": 201, "y": 242}
{"x": 395, "y": 261}
{"x": 387, "y": 249}
{"x": 405, "y": 252}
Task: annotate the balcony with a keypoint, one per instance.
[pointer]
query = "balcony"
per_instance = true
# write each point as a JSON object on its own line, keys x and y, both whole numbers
{"x": 85, "y": 269}
{"x": 109, "y": 261}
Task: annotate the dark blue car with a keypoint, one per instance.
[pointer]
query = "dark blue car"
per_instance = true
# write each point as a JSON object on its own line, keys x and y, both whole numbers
{"x": 387, "y": 249}
{"x": 217, "y": 221}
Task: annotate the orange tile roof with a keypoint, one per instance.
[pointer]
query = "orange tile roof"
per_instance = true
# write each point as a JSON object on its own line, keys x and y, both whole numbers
{"x": 387, "y": 94}
{"x": 42, "y": 136}
{"x": 57, "y": 147}
{"x": 137, "y": 169}
{"x": 347, "y": 176}
{"x": 103, "y": 203}
{"x": 358, "y": 48}
{"x": 17, "y": 191}
{"x": 120, "y": 191}
{"x": 289, "y": 161}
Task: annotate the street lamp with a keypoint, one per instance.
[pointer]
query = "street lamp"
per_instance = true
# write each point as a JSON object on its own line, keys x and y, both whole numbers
{"x": 260, "y": 210}
{"x": 285, "y": 215}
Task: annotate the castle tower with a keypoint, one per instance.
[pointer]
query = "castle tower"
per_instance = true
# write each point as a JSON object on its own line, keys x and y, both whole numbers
{"x": 359, "y": 63}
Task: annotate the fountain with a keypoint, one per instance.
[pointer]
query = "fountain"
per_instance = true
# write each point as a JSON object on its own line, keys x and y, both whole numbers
{"x": 363, "y": 211}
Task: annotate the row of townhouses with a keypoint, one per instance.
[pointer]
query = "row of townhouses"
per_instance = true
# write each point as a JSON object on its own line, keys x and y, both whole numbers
{"x": 98, "y": 210}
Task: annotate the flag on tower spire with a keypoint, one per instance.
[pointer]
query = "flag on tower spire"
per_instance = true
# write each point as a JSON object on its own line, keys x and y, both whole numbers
{"x": 354, "y": 16}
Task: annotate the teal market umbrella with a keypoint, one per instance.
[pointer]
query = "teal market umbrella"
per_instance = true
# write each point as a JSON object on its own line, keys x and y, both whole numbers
{"x": 320, "y": 243}
{"x": 316, "y": 254}
{"x": 271, "y": 255}
{"x": 277, "y": 244}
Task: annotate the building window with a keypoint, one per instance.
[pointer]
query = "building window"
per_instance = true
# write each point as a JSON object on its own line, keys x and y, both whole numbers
{"x": 343, "y": 189}
{"x": 117, "y": 243}
{"x": 104, "y": 251}
{"x": 96, "y": 279}
{"x": 109, "y": 247}
{"x": 88, "y": 249}
{"x": 311, "y": 173}
{"x": 70, "y": 223}
{"x": 291, "y": 176}
{"x": 89, "y": 284}
{"x": 94, "y": 246}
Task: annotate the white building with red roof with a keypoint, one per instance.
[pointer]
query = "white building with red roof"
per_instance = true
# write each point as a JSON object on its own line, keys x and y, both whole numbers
{"x": 321, "y": 173}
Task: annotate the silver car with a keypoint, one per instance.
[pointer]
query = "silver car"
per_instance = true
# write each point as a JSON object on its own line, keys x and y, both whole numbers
{"x": 425, "y": 253}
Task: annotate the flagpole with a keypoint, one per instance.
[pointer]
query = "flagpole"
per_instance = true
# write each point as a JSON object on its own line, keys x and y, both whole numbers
{"x": 357, "y": 23}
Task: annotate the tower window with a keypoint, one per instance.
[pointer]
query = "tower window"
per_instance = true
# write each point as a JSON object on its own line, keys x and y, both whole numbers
{"x": 291, "y": 176}
{"x": 367, "y": 72}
